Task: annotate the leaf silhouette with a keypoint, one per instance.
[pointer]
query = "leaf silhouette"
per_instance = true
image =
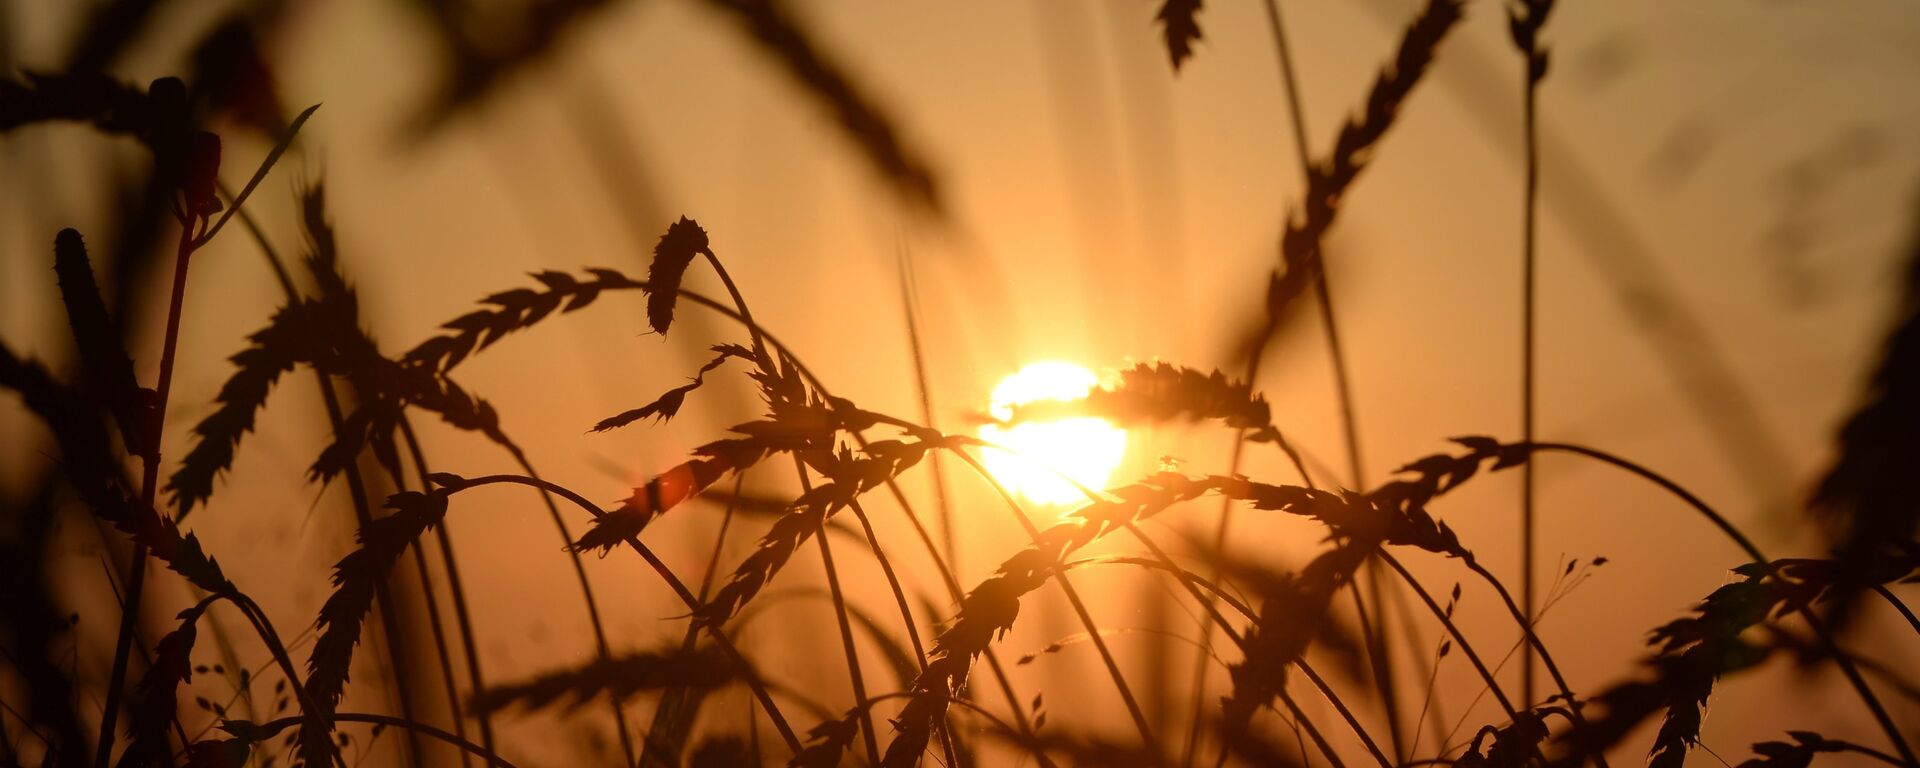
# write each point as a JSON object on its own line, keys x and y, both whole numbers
{"x": 1513, "y": 745}
{"x": 105, "y": 368}
{"x": 1799, "y": 753}
{"x": 827, "y": 742}
{"x": 1180, "y": 24}
{"x": 89, "y": 464}
{"x": 1866, "y": 497}
{"x": 155, "y": 698}
{"x": 1693, "y": 652}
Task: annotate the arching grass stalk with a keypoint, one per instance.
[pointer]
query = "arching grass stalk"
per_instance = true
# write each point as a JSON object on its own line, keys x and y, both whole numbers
{"x": 1459, "y": 638}
{"x": 455, "y": 484}
{"x": 601, "y": 646}
{"x": 1206, "y": 601}
{"x": 941, "y": 565}
{"x": 771, "y": 369}
{"x": 363, "y": 517}
{"x": 1827, "y": 641}
{"x": 1079, "y": 607}
{"x": 609, "y": 280}
{"x": 454, "y": 589}
{"x": 192, "y": 212}
{"x": 1375, "y": 631}
{"x": 1905, "y": 612}
{"x": 846, "y": 629}
{"x": 273, "y": 727}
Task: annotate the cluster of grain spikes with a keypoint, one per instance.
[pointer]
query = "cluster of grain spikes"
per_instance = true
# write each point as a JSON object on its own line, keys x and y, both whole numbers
{"x": 1692, "y": 653}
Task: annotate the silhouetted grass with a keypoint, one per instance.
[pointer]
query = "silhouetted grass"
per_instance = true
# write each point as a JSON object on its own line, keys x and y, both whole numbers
{"x": 1273, "y": 618}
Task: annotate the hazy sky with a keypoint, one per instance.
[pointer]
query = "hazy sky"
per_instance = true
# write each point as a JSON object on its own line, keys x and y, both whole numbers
{"x": 1750, "y": 162}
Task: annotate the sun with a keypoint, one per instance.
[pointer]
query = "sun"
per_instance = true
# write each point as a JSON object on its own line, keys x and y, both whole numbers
{"x": 1086, "y": 449}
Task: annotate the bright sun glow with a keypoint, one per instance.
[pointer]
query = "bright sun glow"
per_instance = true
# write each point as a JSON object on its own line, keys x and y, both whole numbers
{"x": 1086, "y": 449}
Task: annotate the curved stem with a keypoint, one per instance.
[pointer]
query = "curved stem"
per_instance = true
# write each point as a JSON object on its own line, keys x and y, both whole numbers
{"x": 362, "y": 513}
{"x": 1213, "y": 612}
{"x": 461, "y": 616}
{"x": 746, "y": 317}
{"x": 601, "y": 645}
{"x": 1458, "y": 638}
{"x": 1079, "y": 608}
{"x": 1894, "y": 601}
{"x": 395, "y": 722}
{"x": 278, "y": 650}
{"x": 846, "y": 628}
{"x": 718, "y": 636}
{"x": 149, "y": 486}
{"x": 1840, "y": 657}
{"x": 1532, "y": 642}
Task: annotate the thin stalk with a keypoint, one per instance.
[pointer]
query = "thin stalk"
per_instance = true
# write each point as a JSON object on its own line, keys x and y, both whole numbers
{"x": 1313, "y": 732}
{"x": 1906, "y": 612}
{"x": 674, "y": 699}
{"x": 846, "y": 629}
{"x": 893, "y": 583}
{"x": 1840, "y": 657}
{"x": 906, "y": 612}
{"x": 1532, "y": 640}
{"x": 746, "y": 317}
{"x": 761, "y": 337}
{"x": 1079, "y": 609}
{"x": 149, "y": 486}
{"x": 357, "y": 492}
{"x": 719, "y": 637}
{"x": 1206, "y": 601}
{"x": 1459, "y": 639}
{"x": 437, "y": 628}
{"x": 461, "y": 615}
{"x": 394, "y": 722}
{"x": 910, "y": 309}
{"x": 1528, "y": 307}
{"x": 600, "y": 643}
{"x": 1379, "y": 661}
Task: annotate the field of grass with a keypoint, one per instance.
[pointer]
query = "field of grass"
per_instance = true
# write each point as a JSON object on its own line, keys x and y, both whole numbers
{"x": 353, "y": 537}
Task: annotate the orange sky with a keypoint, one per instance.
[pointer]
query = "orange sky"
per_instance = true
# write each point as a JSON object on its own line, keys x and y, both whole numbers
{"x": 1104, "y": 211}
